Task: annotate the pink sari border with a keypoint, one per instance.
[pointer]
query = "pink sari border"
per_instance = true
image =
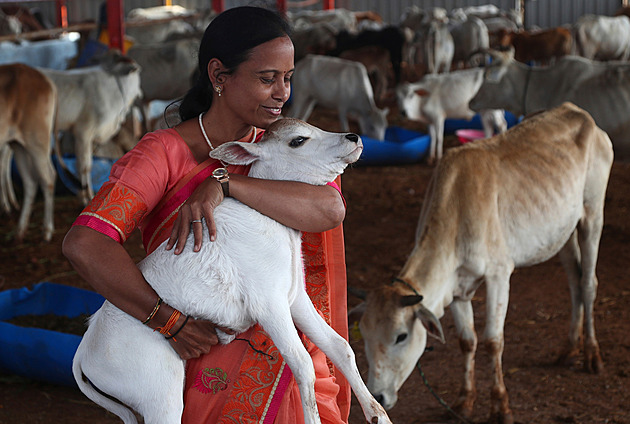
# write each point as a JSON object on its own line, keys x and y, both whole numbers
{"x": 96, "y": 223}
{"x": 278, "y": 396}
{"x": 175, "y": 201}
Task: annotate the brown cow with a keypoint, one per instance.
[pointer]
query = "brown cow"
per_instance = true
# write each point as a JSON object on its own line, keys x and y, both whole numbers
{"x": 27, "y": 110}
{"x": 542, "y": 47}
{"x": 509, "y": 201}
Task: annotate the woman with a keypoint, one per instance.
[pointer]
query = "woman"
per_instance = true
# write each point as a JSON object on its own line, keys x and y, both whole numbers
{"x": 167, "y": 184}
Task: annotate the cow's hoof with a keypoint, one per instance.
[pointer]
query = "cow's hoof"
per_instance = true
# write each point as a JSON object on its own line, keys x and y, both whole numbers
{"x": 569, "y": 358}
{"x": 502, "y": 418}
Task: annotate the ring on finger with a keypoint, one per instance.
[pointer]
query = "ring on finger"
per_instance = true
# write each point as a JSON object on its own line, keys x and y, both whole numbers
{"x": 195, "y": 220}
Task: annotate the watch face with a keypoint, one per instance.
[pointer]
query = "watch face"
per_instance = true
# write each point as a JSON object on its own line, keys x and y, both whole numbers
{"x": 219, "y": 172}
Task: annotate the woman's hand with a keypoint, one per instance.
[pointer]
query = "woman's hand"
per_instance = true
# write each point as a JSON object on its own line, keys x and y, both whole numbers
{"x": 196, "y": 338}
{"x": 201, "y": 204}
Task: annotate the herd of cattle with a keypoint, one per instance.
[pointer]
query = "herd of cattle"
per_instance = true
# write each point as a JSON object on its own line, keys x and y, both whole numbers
{"x": 513, "y": 200}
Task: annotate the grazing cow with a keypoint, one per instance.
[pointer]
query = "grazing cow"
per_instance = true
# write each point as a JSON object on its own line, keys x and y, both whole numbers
{"x": 603, "y": 38}
{"x": 337, "y": 84}
{"x": 437, "y": 97}
{"x": 513, "y": 200}
{"x": 93, "y": 103}
{"x": 600, "y": 88}
{"x": 272, "y": 295}
{"x": 542, "y": 47}
{"x": 27, "y": 110}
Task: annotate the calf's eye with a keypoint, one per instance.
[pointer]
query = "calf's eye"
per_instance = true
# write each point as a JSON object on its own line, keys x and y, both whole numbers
{"x": 401, "y": 338}
{"x": 297, "y": 141}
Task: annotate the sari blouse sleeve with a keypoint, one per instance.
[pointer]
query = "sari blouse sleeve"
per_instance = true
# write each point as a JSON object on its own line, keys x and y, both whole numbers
{"x": 136, "y": 184}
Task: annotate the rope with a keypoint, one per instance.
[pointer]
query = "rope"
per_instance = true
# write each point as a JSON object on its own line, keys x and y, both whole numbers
{"x": 439, "y": 399}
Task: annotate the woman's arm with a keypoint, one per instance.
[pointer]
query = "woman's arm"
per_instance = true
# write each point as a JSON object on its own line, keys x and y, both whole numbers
{"x": 108, "y": 268}
{"x": 304, "y": 207}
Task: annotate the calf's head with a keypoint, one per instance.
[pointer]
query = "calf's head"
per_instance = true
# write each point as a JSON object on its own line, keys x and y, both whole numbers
{"x": 394, "y": 327}
{"x": 294, "y": 150}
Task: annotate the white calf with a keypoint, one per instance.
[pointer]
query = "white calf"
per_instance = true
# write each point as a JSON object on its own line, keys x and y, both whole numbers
{"x": 337, "y": 84}
{"x": 115, "y": 361}
{"x": 437, "y": 97}
{"x": 513, "y": 200}
{"x": 93, "y": 104}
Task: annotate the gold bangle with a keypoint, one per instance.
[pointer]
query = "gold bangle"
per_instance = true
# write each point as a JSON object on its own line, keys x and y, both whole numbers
{"x": 154, "y": 311}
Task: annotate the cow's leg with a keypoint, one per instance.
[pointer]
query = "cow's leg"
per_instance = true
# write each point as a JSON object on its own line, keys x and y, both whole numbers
{"x": 278, "y": 323}
{"x": 24, "y": 166}
{"x": 339, "y": 352}
{"x": 302, "y": 108}
{"x": 589, "y": 235}
{"x": 432, "y": 146}
{"x": 39, "y": 151}
{"x": 343, "y": 119}
{"x": 579, "y": 257}
{"x": 498, "y": 293}
{"x": 439, "y": 132}
{"x": 465, "y": 325}
{"x": 571, "y": 260}
{"x": 83, "y": 152}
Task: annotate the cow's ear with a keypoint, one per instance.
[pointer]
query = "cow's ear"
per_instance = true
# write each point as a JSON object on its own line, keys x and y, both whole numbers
{"x": 431, "y": 323}
{"x": 422, "y": 92}
{"x": 355, "y": 314}
{"x": 237, "y": 153}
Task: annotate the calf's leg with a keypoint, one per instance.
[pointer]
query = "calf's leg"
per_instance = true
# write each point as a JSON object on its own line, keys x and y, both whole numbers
{"x": 338, "y": 350}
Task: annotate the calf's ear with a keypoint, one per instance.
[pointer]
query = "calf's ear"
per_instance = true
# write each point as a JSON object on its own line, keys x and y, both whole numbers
{"x": 431, "y": 323}
{"x": 237, "y": 153}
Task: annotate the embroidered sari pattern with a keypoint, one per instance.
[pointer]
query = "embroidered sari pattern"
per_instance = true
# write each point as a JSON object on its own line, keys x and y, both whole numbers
{"x": 115, "y": 206}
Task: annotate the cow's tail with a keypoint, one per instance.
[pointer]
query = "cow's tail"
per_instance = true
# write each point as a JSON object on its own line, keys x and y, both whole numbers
{"x": 63, "y": 167}
{"x": 97, "y": 396}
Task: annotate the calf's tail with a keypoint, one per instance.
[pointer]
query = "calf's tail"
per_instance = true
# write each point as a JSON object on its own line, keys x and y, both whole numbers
{"x": 99, "y": 397}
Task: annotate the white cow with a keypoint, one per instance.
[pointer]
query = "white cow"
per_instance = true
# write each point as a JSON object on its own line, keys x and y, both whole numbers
{"x": 174, "y": 61}
{"x": 602, "y": 37}
{"x": 600, "y": 88}
{"x": 155, "y": 24}
{"x": 27, "y": 109}
{"x": 337, "y": 84}
{"x": 437, "y": 97}
{"x": 93, "y": 103}
{"x": 275, "y": 297}
{"x": 513, "y": 200}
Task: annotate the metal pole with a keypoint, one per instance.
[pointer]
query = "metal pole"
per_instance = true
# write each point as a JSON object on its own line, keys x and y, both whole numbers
{"x": 115, "y": 24}
{"x": 281, "y": 5}
{"x": 62, "y": 13}
{"x": 218, "y": 6}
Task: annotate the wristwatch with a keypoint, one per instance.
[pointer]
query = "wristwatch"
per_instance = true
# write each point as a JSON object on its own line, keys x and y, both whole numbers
{"x": 222, "y": 176}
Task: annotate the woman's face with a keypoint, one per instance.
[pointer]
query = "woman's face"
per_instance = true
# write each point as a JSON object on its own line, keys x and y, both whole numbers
{"x": 257, "y": 90}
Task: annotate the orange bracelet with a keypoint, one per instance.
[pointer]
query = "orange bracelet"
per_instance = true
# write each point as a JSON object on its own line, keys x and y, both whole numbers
{"x": 170, "y": 323}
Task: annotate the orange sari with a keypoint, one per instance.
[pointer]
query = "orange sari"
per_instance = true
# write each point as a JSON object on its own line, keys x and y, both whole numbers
{"x": 246, "y": 381}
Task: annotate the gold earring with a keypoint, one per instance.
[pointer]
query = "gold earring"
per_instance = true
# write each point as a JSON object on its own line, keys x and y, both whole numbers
{"x": 218, "y": 89}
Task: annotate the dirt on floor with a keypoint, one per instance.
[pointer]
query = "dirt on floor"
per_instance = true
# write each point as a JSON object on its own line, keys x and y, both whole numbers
{"x": 383, "y": 207}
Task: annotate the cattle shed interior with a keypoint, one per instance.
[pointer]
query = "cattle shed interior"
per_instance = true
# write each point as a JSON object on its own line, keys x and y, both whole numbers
{"x": 536, "y": 13}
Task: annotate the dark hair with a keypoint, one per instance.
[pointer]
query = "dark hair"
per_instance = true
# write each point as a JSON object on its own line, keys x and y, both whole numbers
{"x": 230, "y": 37}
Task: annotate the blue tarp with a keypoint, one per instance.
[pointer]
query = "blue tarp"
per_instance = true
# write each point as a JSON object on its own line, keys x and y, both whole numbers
{"x": 36, "y": 353}
{"x": 400, "y": 146}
